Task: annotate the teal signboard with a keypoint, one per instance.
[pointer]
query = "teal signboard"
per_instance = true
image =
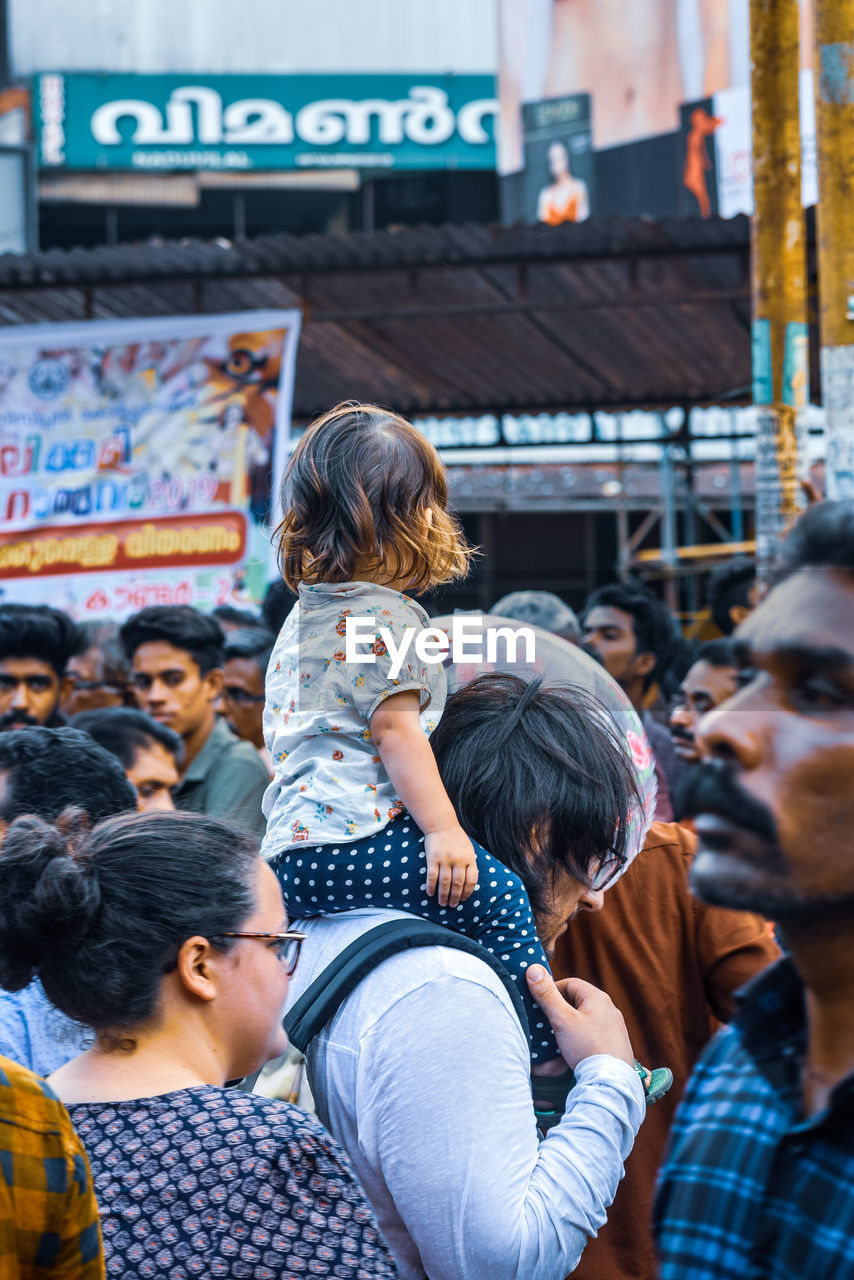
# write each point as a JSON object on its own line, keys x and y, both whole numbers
{"x": 240, "y": 123}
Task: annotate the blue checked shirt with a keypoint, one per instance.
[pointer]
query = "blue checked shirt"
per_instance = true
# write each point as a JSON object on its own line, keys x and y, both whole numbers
{"x": 749, "y": 1188}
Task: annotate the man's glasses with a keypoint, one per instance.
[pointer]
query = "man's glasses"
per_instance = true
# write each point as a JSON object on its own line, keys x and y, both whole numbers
{"x": 240, "y": 697}
{"x": 89, "y": 686}
{"x": 287, "y": 948}
{"x": 607, "y": 872}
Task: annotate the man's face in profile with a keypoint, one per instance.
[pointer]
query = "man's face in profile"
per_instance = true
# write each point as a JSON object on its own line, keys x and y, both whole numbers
{"x": 774, "y": 805}
{"x": 704, "y": 688}
{"x": 242, "y": 699}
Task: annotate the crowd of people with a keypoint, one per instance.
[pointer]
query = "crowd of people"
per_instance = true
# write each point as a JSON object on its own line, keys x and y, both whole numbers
{"x": 202, "y": 816}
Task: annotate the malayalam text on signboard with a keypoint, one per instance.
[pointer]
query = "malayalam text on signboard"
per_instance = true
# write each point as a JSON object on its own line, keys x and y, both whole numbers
{"x": 232, "y": 122}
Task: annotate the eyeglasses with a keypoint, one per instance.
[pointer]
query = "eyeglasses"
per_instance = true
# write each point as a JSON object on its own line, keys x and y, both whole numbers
{"x": 240, "y": 696}
{"x": 287, "y": 949}
{"x": 606, "y": 872}
{"x": 88, "y": 686}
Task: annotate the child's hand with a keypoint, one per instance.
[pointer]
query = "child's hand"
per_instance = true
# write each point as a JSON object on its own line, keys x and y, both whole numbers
{"x": 451, "y": 864}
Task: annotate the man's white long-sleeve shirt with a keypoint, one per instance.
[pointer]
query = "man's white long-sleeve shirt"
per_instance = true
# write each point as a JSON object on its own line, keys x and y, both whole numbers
{"x": 423, "y": 1078}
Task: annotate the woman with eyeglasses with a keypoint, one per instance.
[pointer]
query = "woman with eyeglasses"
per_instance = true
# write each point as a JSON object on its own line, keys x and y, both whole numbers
{"x": 167, "y": 933}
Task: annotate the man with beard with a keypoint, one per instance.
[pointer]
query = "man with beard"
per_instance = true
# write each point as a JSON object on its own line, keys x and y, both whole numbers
{"x": 36, "y": 643}
{"x": 424, "y": 1073}
{"x": 709, "y": 681}
{"x": 673, "y": 965}
{"x": 759, "y": 1178}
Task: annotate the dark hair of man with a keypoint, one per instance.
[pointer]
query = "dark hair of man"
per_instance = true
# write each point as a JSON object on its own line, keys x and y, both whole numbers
{"x": 717, "y": 653}
{"x": 237, "y": 617}
{"x": 253, "y": 643}
{"x": 100, "y": 915}
{"x": 823, "y": 538}
{"x": 198, "y": 634}
{"x": 654, "y": 626}
{"x": 517, "y": 759}
{"x": 278, "y": 602}
{"x": 49, "y": 769}
{"x": 730, "y": 586}
{"x": 125, "y": 732}
{"x": 104, "y": 636}
{"x": 38, "y": 631}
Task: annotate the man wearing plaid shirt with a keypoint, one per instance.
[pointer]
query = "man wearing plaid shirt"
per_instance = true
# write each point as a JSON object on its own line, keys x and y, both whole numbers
{"x": 759, "y": 1177}
{"x": 48, "y": 1212}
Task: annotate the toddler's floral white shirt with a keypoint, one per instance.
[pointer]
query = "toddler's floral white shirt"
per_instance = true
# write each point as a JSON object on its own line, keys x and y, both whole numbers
{"x": 329, "y": 784}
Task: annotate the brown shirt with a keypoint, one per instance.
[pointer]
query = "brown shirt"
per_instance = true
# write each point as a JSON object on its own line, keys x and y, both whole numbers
{"x": 671, "y": 965}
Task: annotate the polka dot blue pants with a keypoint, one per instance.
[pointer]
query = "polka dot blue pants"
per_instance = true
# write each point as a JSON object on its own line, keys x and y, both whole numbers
{"x": 389, "y": 869}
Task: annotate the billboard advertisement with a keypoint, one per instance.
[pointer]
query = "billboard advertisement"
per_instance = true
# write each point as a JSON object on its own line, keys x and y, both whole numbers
{"x": 137, "y": 459}
{"x": 240, "y": 123}
{"x": 667, "y": 83}
{"x": 558, "y": 171}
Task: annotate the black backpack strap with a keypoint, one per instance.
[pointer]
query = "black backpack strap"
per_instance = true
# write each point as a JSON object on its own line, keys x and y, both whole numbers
{"x": 321, "y": 1000}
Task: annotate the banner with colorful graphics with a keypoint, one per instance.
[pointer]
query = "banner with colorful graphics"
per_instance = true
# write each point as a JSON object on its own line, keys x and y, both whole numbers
{"x": 137, "y": 459}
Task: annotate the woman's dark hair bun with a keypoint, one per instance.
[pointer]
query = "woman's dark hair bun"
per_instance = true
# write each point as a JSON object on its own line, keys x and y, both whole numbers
{"x": 49, "y": 893}
{"x": 101, "y": 915}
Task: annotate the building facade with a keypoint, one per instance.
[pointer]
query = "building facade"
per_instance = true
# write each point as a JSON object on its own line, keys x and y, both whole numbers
{"x": 173, "y": 119}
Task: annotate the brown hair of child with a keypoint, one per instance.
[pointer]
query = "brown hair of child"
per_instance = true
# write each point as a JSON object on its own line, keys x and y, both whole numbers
{"x": 356, "y": 492}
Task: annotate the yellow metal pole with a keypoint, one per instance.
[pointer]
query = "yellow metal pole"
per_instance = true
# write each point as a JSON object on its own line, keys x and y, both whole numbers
{"x": 778, "y": 243}
{"x": 833, "y": 22}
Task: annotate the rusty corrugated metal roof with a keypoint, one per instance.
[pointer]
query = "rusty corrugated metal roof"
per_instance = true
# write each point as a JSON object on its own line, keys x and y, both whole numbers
{"x": 458, "y": 319}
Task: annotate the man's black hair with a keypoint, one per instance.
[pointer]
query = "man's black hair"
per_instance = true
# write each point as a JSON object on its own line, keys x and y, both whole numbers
{"x": 654, "y": 625}
{"x": 251, "y": 642}
{"x": 823, "y": 538}
{"x": 278, "y": 602}
{"x": 180, "y": 625}
{"x": 527, "y": 763}
{"x": 125, "y": 731}
{"x": 38, "y": 631}
{"x": 237, "y": 617}
{"x": 717, "y": 653}
{"x": 729, "y": 586}
{"x": 49, "y": 769}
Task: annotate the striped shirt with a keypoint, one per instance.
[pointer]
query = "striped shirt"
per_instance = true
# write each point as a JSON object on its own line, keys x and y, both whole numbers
{"x": 48, "y": 1212}
{"x": 749, "y": 1186}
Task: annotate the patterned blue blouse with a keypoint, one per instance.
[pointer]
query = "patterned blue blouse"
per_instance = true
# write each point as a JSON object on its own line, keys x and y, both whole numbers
{"x": 210, "y": 1182}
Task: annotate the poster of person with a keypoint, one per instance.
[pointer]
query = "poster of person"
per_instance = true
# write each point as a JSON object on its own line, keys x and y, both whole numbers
{"x": 558, "y": 160}
{"x": 137, "y": 459}
{"x": 642, "y": 62}
{"x": 699, "y": 193}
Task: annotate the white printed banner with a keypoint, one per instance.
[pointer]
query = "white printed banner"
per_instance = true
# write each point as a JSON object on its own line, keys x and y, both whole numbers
{"x": 137, "y": 459}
